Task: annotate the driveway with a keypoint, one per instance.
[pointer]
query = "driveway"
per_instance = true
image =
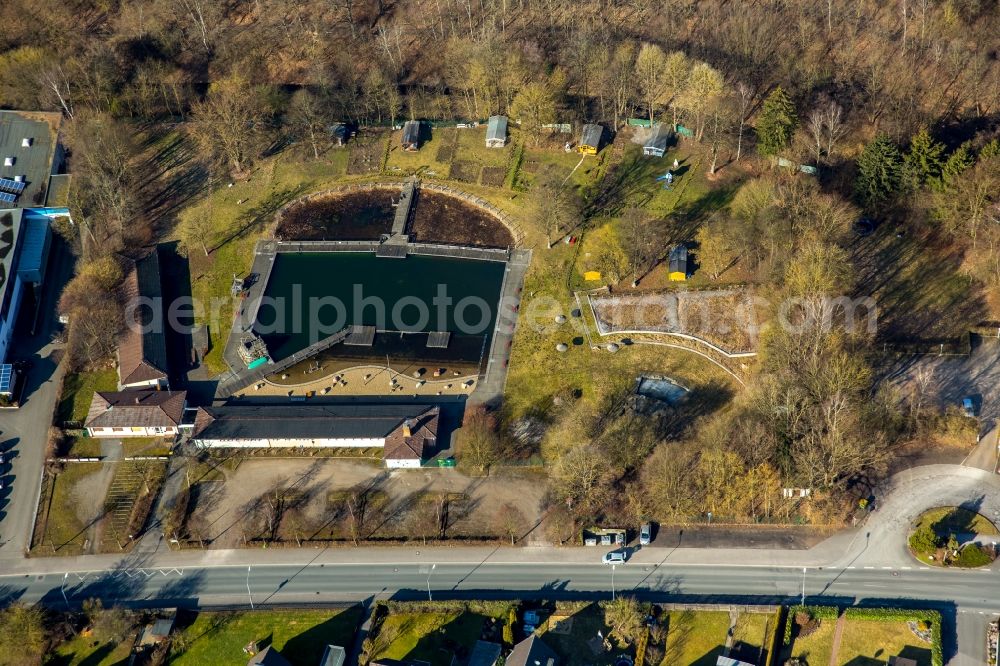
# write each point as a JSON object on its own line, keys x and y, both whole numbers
{"x": 24, "y": 431}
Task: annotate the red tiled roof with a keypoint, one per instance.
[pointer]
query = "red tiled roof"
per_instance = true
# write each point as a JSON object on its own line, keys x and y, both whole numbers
{"x": 136, "y": 409}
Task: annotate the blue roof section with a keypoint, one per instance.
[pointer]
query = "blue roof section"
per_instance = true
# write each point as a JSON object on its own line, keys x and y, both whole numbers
{"x": 34, "y": 248}
{"x": 6, "y": 378}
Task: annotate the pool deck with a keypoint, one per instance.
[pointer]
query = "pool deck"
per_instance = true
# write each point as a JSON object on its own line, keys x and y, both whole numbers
{"x": 491, "y": 385}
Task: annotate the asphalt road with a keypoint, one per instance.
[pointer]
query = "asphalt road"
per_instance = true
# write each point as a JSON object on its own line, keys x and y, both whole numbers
{"x": 976, "y": 593}
{"x": 24, "y": 431}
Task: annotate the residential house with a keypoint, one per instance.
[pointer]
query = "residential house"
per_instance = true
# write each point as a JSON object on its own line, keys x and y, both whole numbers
{"x": 658, "y": 140}
{"x": 411, "y": 135}
{"x": 407, "y": 433}
{"x": 496, "y": 132}
{"x": 268, "y": 657}
{"x": 484, "y": 653}
{"x": 678, "y": 263}
{"x": 142, "y": 348}
{"x": 333, "y": 655}
{"x": 135, "y": 413}
{"x": 591, "y": 139}
{"x": 532, "y": 651}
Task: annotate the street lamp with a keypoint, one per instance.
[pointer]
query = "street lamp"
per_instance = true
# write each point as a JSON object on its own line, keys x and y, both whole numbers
{"x": 63, "y": 589}
{"x": 249, "y": 596}
{"x": 803, "y": 586}
{"x": 433, "y": 567}
{"x": 612, "y": 582}
{"x": 709, "y": 517}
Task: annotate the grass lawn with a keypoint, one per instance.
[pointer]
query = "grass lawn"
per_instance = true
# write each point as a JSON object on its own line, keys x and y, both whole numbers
{"x": 870, "y": 642}
{"x": 300, "y": 635}
{"x": 78, "y": 390}
{"x": 948, "y": 520}
{"x": 90, "y": 651}
{"x": 426, "y": 636}
{"x": 572, "y": 646}
{"x": 83, "y": 447}
{"x": 63, "y": 528}
{"x": 538, "y": 372}
{"x": 695, "y": 638}
{"x": 434, "y": 158}
{"x": 145, "y": 446}
{"x": 816, "y": 647}
{"x": 752, "y": 636}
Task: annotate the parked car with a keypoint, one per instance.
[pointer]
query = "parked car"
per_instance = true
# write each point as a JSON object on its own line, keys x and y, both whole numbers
{"x": 615, "y": 557}
{"x": 620, "y": 538}
{"x": 605, "y": 539}
{"x": 645, "y": 534}
{"x": 969, "y": 407}
{"x": 590, "y": 541}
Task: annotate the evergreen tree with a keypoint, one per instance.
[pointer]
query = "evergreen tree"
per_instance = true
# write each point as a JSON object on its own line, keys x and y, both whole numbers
{"x": 990, "y": 151}
{"x": 777, "y": 123}
{"x": 924, "y": 160}
{"x": 880, "y": 172}
{"x": 958, "y": 161}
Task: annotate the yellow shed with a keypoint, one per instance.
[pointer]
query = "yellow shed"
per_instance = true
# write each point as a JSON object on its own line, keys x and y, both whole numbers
{"x": 590, "y": 139}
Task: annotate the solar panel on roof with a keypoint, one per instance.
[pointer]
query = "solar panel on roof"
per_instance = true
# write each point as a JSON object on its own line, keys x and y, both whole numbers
{"x": 7, "y": 197}
{"x": 12, "y": 186}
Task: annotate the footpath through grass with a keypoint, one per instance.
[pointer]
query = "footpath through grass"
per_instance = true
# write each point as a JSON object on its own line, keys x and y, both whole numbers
{"x": 301, "y": 636}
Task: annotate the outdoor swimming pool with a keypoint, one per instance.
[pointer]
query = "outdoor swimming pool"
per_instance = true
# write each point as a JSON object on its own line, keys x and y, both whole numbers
{"x": 310, "y": 296}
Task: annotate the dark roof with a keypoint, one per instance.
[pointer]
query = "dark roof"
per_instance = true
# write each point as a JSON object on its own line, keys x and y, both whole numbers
{"x": 142, "y": 354}
{"x": 33, "y": 162}
{"x": 10, "y": 232}
{"x": 484, "y": 653}
{"x": 658, "y": 139}
{"x": 140, "y": 409}
{"x": 268, "y": 657}
{"x": 235, "y": 422}
{"x": 532, "y": 652}
{"x": 591, "y": 135}
{"x": 411, "y": 132}
{"x": 902, "y": 661}
{"x": 333, "y": 655}
{"x": 416, "y": 444}
{"x": 679, "y": 259}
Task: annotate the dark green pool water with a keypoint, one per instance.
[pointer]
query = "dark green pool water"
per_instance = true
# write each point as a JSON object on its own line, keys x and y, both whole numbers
{"x": 310, "y": 296}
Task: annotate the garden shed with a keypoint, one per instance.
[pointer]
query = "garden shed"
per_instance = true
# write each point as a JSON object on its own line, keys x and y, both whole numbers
{"x": 496, "y": 132}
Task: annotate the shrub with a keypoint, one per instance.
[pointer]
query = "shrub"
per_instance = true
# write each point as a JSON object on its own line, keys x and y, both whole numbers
{"x": 924, "y": 540}
{"x": 973, "y": 555}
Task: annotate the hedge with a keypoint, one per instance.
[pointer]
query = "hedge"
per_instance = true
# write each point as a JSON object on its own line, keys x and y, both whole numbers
{"x": 772, "y": 643}
{"x": 905, "y": 615}
{"x": 818, "y": 612}
{"x": 640, "y": 647}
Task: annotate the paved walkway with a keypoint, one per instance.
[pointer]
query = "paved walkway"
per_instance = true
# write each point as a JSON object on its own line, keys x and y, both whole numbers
{"x": 490, "y": 389}
{"x": 838, "y": 635}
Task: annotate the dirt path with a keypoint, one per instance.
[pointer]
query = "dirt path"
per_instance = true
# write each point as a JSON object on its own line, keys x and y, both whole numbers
{"x": 838, "y": 634}
{"x": 88, "y": 501}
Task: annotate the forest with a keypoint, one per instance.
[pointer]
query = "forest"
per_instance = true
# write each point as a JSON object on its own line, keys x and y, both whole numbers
{"x": 896, "y": 105}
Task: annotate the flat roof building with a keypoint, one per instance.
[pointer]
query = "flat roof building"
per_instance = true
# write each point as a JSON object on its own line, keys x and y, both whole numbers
{"x": 407, "y": 433}
{"x": 30, "y": 153}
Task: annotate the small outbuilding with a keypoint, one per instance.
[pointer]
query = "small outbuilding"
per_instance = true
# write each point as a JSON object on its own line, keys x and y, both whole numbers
{"x": 678, "y": 263}
{"x": 658, "y": 141}
{"x": 339, "y": 133}
{"x": 590, "y": 139}
{"x": 496, "y": 132}
{"x": 411, "y": 135}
